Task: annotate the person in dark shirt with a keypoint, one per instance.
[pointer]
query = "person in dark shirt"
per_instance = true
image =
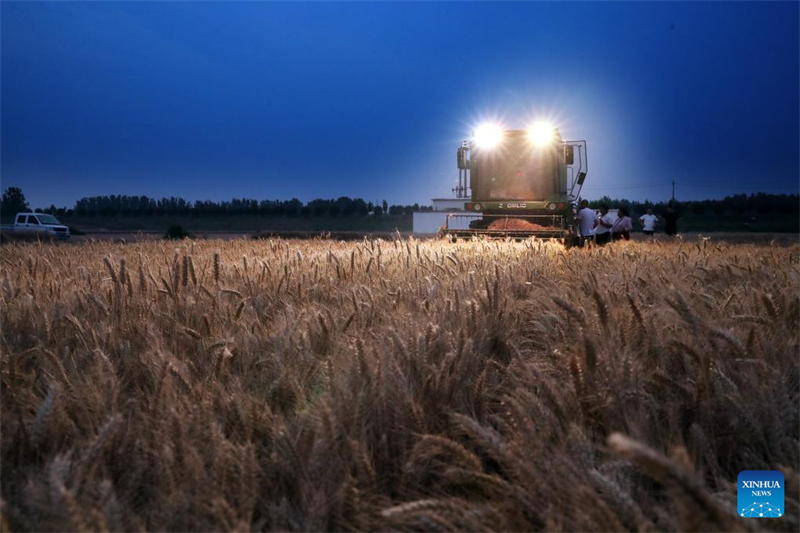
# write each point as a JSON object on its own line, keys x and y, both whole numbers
{"x": 670, "y": 219}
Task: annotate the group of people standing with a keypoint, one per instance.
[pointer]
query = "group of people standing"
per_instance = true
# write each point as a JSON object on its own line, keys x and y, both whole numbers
{"x": 603, "y": 227}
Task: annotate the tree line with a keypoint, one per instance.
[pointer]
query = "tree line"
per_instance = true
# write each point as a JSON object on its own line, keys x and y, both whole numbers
{"x": 13, "y": 201}
{"x": 144, "y": 206}
{"x": 736, "y": 205}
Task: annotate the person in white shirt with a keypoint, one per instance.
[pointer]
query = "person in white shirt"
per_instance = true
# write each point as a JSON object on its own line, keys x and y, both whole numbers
{"x": 604, "y": 223}
{"x": 586, "y": 222}
{"x": 649, "y": 222}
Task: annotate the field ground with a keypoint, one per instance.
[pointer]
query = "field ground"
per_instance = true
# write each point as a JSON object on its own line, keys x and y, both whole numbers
{"x": 689, "y": 223}
{"x": 396, "y": 385}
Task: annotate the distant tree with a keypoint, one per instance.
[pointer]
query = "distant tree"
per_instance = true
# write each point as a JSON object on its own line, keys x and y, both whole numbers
{"x": 344, "y": 203}
{"x": 378, "y": 210}
{"x": 13, "y": 202}
{"x": 293, "y": 206}
{"x": 385, "y": 206}
{"x": 787, "y": 205}
{"x": 764, "y": 204}
{"x": 319, "y": 207}
{"x": 346, "y": 206}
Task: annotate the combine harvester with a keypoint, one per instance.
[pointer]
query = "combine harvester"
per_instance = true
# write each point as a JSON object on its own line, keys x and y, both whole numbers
{"x": 518, "y": 183}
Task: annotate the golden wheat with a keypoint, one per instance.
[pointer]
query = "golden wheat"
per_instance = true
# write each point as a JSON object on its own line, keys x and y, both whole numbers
{"x": 395, "y": 385}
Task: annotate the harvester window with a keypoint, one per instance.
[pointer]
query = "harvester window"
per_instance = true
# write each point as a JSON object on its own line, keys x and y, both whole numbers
{"x": 569, "y": 154}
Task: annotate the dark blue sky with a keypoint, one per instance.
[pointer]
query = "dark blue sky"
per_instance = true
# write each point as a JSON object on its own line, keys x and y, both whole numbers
{"x": 278, "y": 100}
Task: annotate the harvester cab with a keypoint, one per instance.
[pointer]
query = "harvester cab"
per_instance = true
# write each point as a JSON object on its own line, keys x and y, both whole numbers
{"x": 518, "y": 183}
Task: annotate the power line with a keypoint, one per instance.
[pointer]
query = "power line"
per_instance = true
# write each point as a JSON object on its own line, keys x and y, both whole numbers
{"x": 735, "y": 185}
{"x": 708, "y": 186}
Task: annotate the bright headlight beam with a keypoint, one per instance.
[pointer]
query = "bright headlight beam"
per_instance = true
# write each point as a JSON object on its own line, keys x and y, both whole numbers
{"x": 541, "y": 133}
{"x": 488, "y": 135}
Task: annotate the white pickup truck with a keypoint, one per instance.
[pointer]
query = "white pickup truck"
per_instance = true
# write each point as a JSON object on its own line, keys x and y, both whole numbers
{"x": 36, "y": 225}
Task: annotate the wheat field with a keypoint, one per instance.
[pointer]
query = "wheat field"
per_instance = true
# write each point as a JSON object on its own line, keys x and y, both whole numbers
{"x": 396, "y": 385}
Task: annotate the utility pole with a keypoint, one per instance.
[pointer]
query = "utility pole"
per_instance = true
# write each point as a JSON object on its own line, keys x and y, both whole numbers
{"x": 673, "y": 191}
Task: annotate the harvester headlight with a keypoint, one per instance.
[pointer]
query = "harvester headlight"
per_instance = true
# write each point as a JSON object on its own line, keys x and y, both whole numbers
{"x": 541, "y": 133}
{"x": 551, "y": 207}
{"x": 488, "y": 135}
